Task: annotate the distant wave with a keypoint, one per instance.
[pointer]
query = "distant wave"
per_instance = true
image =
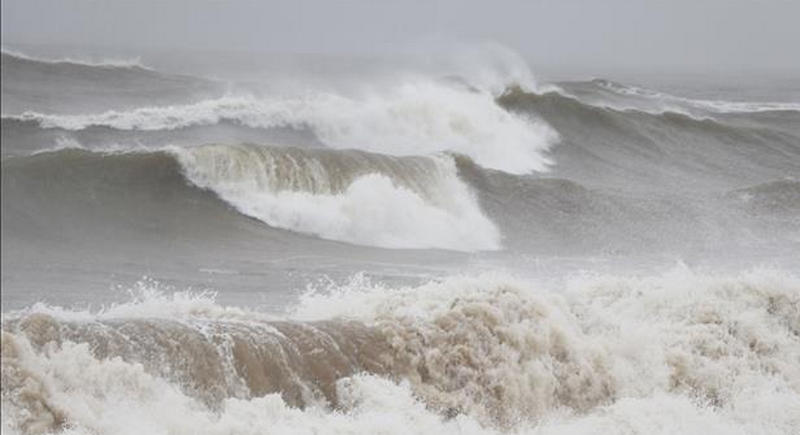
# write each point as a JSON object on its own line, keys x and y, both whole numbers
{"x": 410, "y": 119}
{"x": 105, "y": 62}
{"x": 483, "y": 353}
{"x": 632, "y": 148}
{"x": 665, "y": 102}
{"x": 516, "y": 132}
{"x": 69, "y": 86}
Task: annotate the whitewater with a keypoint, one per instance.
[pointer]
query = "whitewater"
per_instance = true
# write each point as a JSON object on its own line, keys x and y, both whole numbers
{"x": 602, "y": 354}
{"x": 449, "y": 248}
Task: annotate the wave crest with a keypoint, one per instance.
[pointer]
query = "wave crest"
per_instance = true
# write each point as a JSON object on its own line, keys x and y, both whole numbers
{"x": 352, "y": 196}
{"x": 414, "y": 118}
{"x": 135, "y": 62}
{"x": 627, "y": 97}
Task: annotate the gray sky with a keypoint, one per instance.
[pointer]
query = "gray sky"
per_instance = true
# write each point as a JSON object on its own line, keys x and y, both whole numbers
{"x": 654, "y": 34}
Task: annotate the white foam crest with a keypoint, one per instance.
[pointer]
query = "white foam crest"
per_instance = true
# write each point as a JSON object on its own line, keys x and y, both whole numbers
{"x": 115, "y": 397}
{"x": 411, "y": 118}
{"x": 487, "y": 66}
{"x": 112, "y": 148}
{"x": 134, "y": 62}
{"x": 62, "y": 144}
{"x": 373, "y": 210}
{"x": 147, "y": 298}
{"x": 675, "y": 103}
{"x": 724, "y": 347}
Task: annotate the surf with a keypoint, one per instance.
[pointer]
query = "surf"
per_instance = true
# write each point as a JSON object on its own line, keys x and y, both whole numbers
{"x": 489, "y": 352}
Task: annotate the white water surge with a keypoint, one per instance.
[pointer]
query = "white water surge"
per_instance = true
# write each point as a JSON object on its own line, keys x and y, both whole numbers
{"x": 671, "y": 354}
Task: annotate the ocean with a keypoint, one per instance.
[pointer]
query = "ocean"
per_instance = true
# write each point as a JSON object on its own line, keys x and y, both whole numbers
{"x": 315, "y": 244}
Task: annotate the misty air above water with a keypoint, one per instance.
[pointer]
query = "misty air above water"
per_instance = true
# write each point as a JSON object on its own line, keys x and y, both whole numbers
{"x": 383, "y": 217}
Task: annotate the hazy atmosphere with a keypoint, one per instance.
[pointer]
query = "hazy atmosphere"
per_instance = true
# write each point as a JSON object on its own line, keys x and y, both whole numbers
{"x": 420, "y": 217}
{"x": 680, "y": 34}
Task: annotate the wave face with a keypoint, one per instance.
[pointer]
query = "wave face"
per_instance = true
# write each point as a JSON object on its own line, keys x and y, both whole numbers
{"x": 203, "y": 194}
{"x": 352, "y": 196}
{"x": 634, "y": 150}
{"x": 479, "y": 354}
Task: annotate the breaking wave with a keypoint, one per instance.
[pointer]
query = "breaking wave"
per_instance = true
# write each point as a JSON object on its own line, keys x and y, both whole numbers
{"x": 344, "y": 195}
{"x": 443, "y": 201}
{"x": 709, "y": 353}
{"x": 353, "y": 196}
{"x": 414, "y": 118}
{"x": 518, "y": 132}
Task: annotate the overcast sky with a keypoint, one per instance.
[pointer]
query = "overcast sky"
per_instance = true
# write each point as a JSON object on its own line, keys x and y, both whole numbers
{"x": 646, "y": 34}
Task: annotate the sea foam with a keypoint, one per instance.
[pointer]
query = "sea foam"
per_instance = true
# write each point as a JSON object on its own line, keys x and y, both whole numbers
{"x": 680, "y": 352}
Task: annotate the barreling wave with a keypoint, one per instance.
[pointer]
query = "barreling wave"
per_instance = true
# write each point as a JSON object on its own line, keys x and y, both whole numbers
{"x": 466, "y": 353}
{"x": 351, "y": 196}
